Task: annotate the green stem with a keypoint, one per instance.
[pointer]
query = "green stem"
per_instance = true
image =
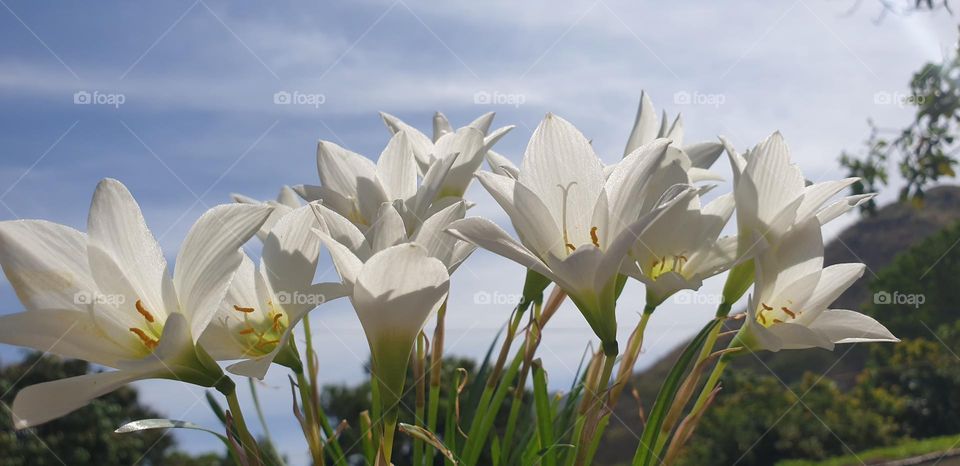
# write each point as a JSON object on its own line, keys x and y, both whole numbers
{"x": 263, "y": 420}
{"x": 711, "y": 383}
{"x": 246, "y": 438}
{"x": 386, "y": 438}
{"x": 596, "y": 410}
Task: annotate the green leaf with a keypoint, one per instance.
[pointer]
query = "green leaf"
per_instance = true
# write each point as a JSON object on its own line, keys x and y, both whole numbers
{"x": 541, "y": 401}
{"x": 425, "y": 435}
{"x": 645, "y": 455}
{"x": 150, "y": 424}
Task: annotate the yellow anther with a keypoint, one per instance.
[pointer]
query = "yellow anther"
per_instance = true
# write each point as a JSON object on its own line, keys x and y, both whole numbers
{"x": 150, "y": 343}
{"x": 245, "y": 310}
{"x": 247, "y": 331}
{"x": 788, "y": 312}
{"x": 144, "y": 312}
{"x": 594, "y": 238}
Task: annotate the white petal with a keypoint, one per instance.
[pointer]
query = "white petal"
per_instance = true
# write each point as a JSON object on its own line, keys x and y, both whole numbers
{"x": 441, "y": 125}
{"x": 397, "y": 168}
{"x": 396, "y": 292}
{"x": 288, "y": 197}
{"x": 536, "y": 226}
{"x": 47, "y": 401}
{"x": 468, "y": 142}
{"x": 341, "y": 230}
{"x": 815, "y": 195}
{"x": 209, "y": 257}
{"x": 483, "y": 122}
{"x": 347, "y": 263}
{"x": 46, "y": 263}
{"x": 704, "y": 154}
{"x": 843, "y": 326}
{"x": 502, "y": 165}
{"x": 422, "y": 145}
{"x": 628, "y": 182}
{"x": 834, "y": 280}
{"x": 291, "y": 251}
{"x": 491, "y": 237}
{"x": 388, "y": 229}
{"x": 116, "y": 226}
{"x": 777, "y": 181}
{"x": 645, "y": 126}
{"x": 827, "y": 214}
{"x": 431, "y": 184}
{"x": 434, "y": 239}
{"x": 561, "y": 167}
{"x": 220, "y": 338}
{"x": 795, "y": 336}
{"x": 71, "y": 334}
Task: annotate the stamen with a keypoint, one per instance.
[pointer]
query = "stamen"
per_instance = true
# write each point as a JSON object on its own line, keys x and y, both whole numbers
{"x": 788, "y": 312}
{"x": 566, "y": 237}
{"x": 144, "y": 312}
{"x": 245, "y": 310}
{"x": 593, "y": 237}
{"x": 763, "y": 320}
{"x": 777, "y": 321}
{"x": 765, "y": 307}
{"x": 247, "y": 331}
{"x": 150, "y": 343}
{"x": 276, "y": 321}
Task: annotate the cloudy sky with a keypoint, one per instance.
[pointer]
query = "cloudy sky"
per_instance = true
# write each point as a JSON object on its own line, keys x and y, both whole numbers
{"x": 177, "y": 99}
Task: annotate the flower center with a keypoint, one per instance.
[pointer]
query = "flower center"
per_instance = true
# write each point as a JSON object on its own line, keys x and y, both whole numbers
{"x": 149, "y": 335}
{"x": 768, "y": 315}
{"x": 667, "y": 264}
{"x": 263, "y": 336}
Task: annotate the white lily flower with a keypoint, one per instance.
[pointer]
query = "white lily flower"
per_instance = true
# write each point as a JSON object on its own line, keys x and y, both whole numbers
{"x": 446, "y": 141}
{"x": 790, "y": 307}
{"x": 257, "y": 316}
{"x": 647, "y": 127}
{"x": 772, "y": 195}
{"x": 106, "y": 297}
{"x": 575, "y": 225}
{"x": 286, "y": 201}
{"x": 343, "y": 238}
{"x": 394, "y": 293}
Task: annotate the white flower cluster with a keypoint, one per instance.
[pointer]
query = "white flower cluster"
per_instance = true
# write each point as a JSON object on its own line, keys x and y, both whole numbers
{"x": 397, "y": 228}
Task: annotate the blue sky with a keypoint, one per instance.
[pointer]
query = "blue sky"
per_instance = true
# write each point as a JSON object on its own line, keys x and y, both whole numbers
{"x": 193, "y": 83}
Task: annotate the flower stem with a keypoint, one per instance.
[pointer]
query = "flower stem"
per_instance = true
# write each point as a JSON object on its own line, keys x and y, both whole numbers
{"x": 246, "y": 438}
{"x": 711, "y": 383}
{"x": 598, "y": 406}
{"x": 260, "y": 416}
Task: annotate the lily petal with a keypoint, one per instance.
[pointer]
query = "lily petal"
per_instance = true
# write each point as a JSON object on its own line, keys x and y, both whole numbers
{"x": 209, "y": 257}
{"x": 843, "y": 326}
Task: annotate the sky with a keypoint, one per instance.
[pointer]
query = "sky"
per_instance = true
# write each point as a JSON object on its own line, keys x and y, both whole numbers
{"x": 184, "y": 102}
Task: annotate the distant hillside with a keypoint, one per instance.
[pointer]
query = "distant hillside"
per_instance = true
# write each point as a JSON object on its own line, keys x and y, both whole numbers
{"x": 874, "y": 241}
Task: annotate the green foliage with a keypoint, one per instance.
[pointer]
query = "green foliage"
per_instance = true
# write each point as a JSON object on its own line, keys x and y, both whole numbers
{"x": 924, "y": 150}
{"x": 923, "y": 375}
{"x": 758, "y": 420}
{"x": 928, "y": 270}
{"x": 347, "y": 402}
{"x": 86, "y": 436}
{"x": 902, "y": 450}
